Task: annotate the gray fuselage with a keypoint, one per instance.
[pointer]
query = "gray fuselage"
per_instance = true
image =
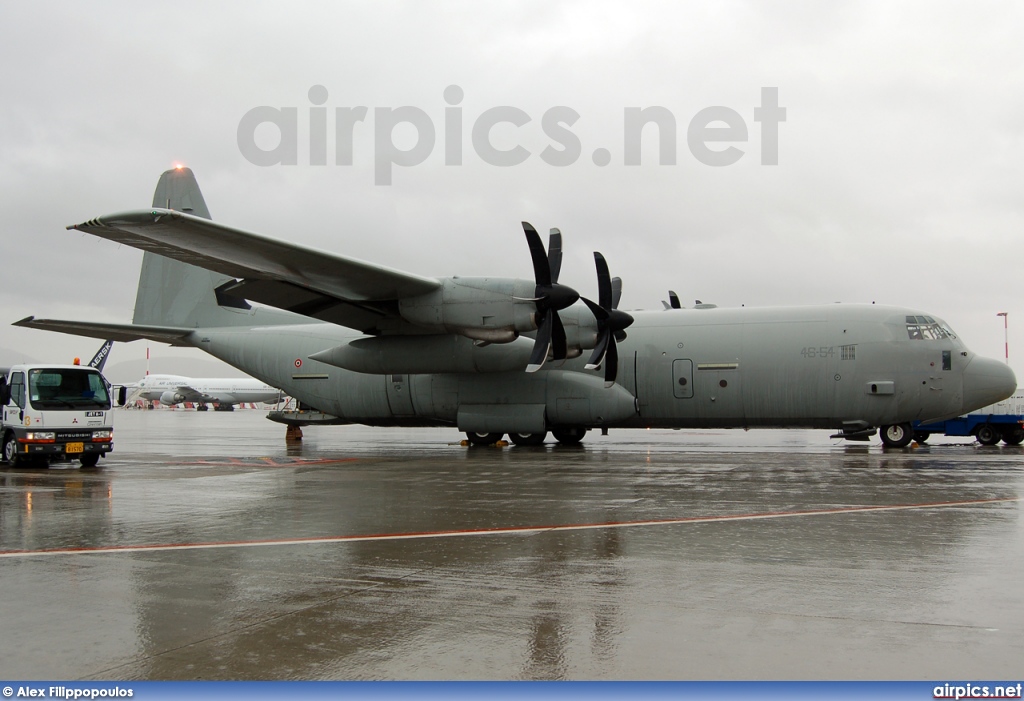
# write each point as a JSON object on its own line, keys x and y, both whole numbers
{"x": 814, "y": 366}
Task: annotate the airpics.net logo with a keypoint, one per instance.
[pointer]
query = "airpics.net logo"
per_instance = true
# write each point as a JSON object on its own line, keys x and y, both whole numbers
{"x": 711, "y": 134}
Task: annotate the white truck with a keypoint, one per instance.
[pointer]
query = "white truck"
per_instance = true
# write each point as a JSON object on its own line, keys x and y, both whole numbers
{"x": 55, "y": 412}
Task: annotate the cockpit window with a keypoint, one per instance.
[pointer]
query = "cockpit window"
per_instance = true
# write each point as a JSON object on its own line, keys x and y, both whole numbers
{"x": 925, "y": 328}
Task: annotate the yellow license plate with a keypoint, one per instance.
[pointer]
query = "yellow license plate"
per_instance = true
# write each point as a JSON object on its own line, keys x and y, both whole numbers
{"x": 75, "y": 448}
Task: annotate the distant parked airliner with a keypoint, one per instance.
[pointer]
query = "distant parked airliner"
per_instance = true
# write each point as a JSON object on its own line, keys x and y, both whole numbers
{"x": 222, "y": 391}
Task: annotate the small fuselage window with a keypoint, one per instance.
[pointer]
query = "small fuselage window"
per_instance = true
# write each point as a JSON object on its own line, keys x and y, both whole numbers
{"x": 925, "y": 328}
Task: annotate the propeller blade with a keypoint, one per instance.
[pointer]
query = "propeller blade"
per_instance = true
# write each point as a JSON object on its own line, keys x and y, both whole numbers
{"x": 542, "y": 344}
{"x": 541, "y": 268}
{"x": 616, "y": 291}
{"x": 599, "y": 313}
{"x": 555, "y": 253}
{"x": 559, "y": 346}
{"x": 604, "y": 282}
{"x": 611, "y": 366}
{"x": 597, "y": 357}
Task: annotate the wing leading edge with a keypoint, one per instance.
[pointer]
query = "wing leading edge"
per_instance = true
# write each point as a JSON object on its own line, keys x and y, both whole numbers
{"x": 321, "y": 285}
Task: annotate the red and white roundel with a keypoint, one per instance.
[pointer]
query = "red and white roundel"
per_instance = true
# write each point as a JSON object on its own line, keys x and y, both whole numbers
{"x": 298, "y": 362}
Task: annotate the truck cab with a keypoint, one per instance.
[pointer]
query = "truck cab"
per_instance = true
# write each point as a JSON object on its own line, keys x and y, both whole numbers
{"x": 55, "y": 412}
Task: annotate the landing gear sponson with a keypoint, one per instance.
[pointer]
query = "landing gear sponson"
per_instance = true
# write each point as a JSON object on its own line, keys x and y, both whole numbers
{"x": 893, "y": 435}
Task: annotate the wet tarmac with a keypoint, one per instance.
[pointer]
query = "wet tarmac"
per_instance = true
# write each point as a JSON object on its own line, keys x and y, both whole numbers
{"x": 205, "y": 548}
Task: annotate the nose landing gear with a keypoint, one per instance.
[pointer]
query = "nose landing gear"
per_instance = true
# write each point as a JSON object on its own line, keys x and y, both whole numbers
{"x": 897, "y": 435}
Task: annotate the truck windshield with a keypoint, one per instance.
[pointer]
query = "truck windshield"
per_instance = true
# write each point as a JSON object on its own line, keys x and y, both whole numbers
{"x": 67, "y": 388}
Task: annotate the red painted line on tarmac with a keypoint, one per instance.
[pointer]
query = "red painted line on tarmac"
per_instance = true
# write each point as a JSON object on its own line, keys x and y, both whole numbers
{"x": 268, "y": 462}
{"x": 513, "y": 530}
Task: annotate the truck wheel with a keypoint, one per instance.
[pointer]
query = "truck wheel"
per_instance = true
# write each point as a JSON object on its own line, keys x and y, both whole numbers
{"x": 571, "y": 435}
{"x": 921, "y": 436}
{"x": 89, "y": 459}
{"x": 897, "y": 435}
{"x": 11, "y": 450}
{"x": 1013, "y": 436}
{"x": 528, "y": 438}
{"x": 483, "y": 438}
{"x": 987, "y": 434}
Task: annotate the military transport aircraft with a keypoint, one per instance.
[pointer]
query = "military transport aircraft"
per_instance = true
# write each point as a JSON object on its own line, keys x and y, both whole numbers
{"x": 368, "y": 344}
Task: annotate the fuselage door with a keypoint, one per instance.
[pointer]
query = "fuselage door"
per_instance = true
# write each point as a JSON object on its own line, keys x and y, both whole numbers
{"x": 399, "y": 395}
{"x": 682, "y": 378}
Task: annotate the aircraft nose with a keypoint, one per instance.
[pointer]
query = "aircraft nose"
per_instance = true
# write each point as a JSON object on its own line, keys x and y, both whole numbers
{"x": 987, "y": 381}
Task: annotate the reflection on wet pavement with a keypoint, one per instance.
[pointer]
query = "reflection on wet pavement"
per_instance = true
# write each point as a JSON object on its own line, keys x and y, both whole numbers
{"x": 926, "y": 592}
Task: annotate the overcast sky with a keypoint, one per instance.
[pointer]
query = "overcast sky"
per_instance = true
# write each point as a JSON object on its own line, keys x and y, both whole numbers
{"x": 899, "y": 162}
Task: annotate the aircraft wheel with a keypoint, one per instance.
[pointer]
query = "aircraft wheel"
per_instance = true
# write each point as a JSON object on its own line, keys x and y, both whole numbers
{"x": 89, "y": 459}
{"x": 10, "y": 453}
{"x": 1013, "y": 436}
{"x": 987, "y": 434}
{"x": 921, "y": 436}
{"x": 528, "y": 438}
{"x": 483, "y": 438}
{"x": 897, "y": 435}
{"x": 571, "y": 435}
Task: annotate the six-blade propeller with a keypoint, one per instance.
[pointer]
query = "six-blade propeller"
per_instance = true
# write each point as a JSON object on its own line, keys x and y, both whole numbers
{"x": 551, "y": 297}
{"x": 611, "y": 323}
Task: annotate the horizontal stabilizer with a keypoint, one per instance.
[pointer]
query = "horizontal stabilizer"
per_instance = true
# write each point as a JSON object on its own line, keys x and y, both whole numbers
{"x": 116, "y": 332}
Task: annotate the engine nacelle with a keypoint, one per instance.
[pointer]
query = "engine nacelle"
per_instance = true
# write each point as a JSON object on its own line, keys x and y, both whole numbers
{"x": 171, "y": 398}
{"x": 437, "y": 353}
{"x": 580, "y": 329}
{"x": 496, "y": 310}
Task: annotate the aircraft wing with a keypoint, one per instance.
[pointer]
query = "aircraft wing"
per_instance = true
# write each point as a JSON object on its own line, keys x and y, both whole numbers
{"x": 173, "y": 335}
{"x": 241, "y": 254}
{"x": 191, "y": 394}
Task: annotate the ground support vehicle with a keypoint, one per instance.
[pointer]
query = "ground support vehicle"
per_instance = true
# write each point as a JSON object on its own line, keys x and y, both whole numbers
{"x": 55, "y": 412}
{"x": 1003, "y": 421}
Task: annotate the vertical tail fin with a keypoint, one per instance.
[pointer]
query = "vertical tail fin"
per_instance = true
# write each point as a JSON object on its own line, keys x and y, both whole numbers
{"x": 178, "y": 190}
{"x": 100, "y": 359}
{"x": 172, "y": 293}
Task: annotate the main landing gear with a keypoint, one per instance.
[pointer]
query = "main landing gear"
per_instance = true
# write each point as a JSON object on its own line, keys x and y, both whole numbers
{"x": 565, "y": 435}
{"x": 476, "y": 438}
